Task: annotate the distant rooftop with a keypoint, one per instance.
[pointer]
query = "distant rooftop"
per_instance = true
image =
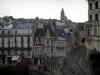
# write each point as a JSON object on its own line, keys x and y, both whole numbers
{"x": 6, "y": 27}
{"x": 23, "y": 26}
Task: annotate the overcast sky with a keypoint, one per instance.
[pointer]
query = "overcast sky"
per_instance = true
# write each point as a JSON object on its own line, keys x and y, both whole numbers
{"x": 76, "y": 10}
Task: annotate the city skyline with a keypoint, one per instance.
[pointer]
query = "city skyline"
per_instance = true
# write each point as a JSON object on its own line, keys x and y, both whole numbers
{"x": 74, "y": 10}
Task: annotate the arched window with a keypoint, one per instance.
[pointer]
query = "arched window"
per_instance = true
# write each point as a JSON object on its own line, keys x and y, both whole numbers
{"x": 90, "y": 6}
{"x": 90, "y": 17}
{"x": 96, "y": 17}
{"x": 96, "y": 5}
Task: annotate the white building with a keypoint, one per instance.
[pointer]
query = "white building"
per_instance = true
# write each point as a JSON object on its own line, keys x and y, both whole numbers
{"x": 16, "y": 41}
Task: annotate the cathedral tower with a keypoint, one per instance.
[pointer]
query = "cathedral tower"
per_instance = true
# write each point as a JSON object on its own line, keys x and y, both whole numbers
{"x": 62, "y": 17}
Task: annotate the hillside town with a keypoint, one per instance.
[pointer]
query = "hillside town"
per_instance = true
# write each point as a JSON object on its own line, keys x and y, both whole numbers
{"x": 52, "y": 46}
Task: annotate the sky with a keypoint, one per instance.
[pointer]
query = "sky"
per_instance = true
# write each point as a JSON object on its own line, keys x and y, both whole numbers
{"x": 75, "y": 10}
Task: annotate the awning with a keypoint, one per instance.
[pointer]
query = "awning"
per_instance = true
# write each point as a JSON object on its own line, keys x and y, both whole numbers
{"x": 15, "y": 57}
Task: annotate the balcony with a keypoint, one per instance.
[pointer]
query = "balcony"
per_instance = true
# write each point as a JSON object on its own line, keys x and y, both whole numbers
{"x": 5, "y": 35}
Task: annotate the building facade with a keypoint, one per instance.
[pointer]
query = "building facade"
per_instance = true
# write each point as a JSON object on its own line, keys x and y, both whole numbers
{"x": 81, "y": 31}
{"x": 51, "y": 41}
{"x": 15, "y": 41}
{"x": 93, "y": 25}
{"x": 36, "y": 38}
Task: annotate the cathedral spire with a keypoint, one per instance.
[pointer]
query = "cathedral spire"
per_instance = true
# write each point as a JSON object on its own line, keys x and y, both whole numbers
{"x": 62, "y": 9}
{"x": 62, "y": 15}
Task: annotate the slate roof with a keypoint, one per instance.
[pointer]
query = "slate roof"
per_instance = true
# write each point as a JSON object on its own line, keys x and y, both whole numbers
{"x": 64, "y": 33}
{"x": 23, "y": 26}
{"x": 16, "y": 26}
{"x": 7, "y": 27}
{"x": 60, "y": 33}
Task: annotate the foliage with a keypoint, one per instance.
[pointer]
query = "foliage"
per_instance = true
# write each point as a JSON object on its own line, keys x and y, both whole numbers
{"x": 3, "y": 66}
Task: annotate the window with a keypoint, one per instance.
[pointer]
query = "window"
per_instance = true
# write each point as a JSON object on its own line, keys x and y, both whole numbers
{"x": 90, "y": 17}
{"x": 95, "y": 31}
{"x": 2, "y": 32}
{"x": 28, "y": 31}
{"x": 15, "y": 52}
{"x": 48, "y": 49}
{"x": 60, "y": 49}
{"x": 90, "y": 6}
{"x": 28, "y": 53}
{"x": 59, "y": 43}
{"x": 47, "y": 41}
{"x": 96, "y": 17}
{"x": 9, "y": 52}
{"x": 8, "y": 32}
{"x": 15, "y": 39}
{"x": 51, "y": 41}
{"x": 88, "y": 32}
{"x": 15, "y": 31}
{"x": 21, "y": 38}
{"x": 51, "y": 49}
{"x": 96, "y": 5}
{"x": 28, "y": 39}
{"x": 8, "y": 41}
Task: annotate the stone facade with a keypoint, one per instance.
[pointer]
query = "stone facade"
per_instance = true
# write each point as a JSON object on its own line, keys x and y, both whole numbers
{"x": 93, "y": 25}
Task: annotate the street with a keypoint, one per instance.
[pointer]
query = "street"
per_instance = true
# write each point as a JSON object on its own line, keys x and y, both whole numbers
{"x": 73, "y": 60}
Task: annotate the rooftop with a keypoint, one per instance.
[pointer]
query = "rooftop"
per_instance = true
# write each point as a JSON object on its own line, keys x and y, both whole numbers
{"x": 7, "y": 27}
{"x": 23, "y": 26}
